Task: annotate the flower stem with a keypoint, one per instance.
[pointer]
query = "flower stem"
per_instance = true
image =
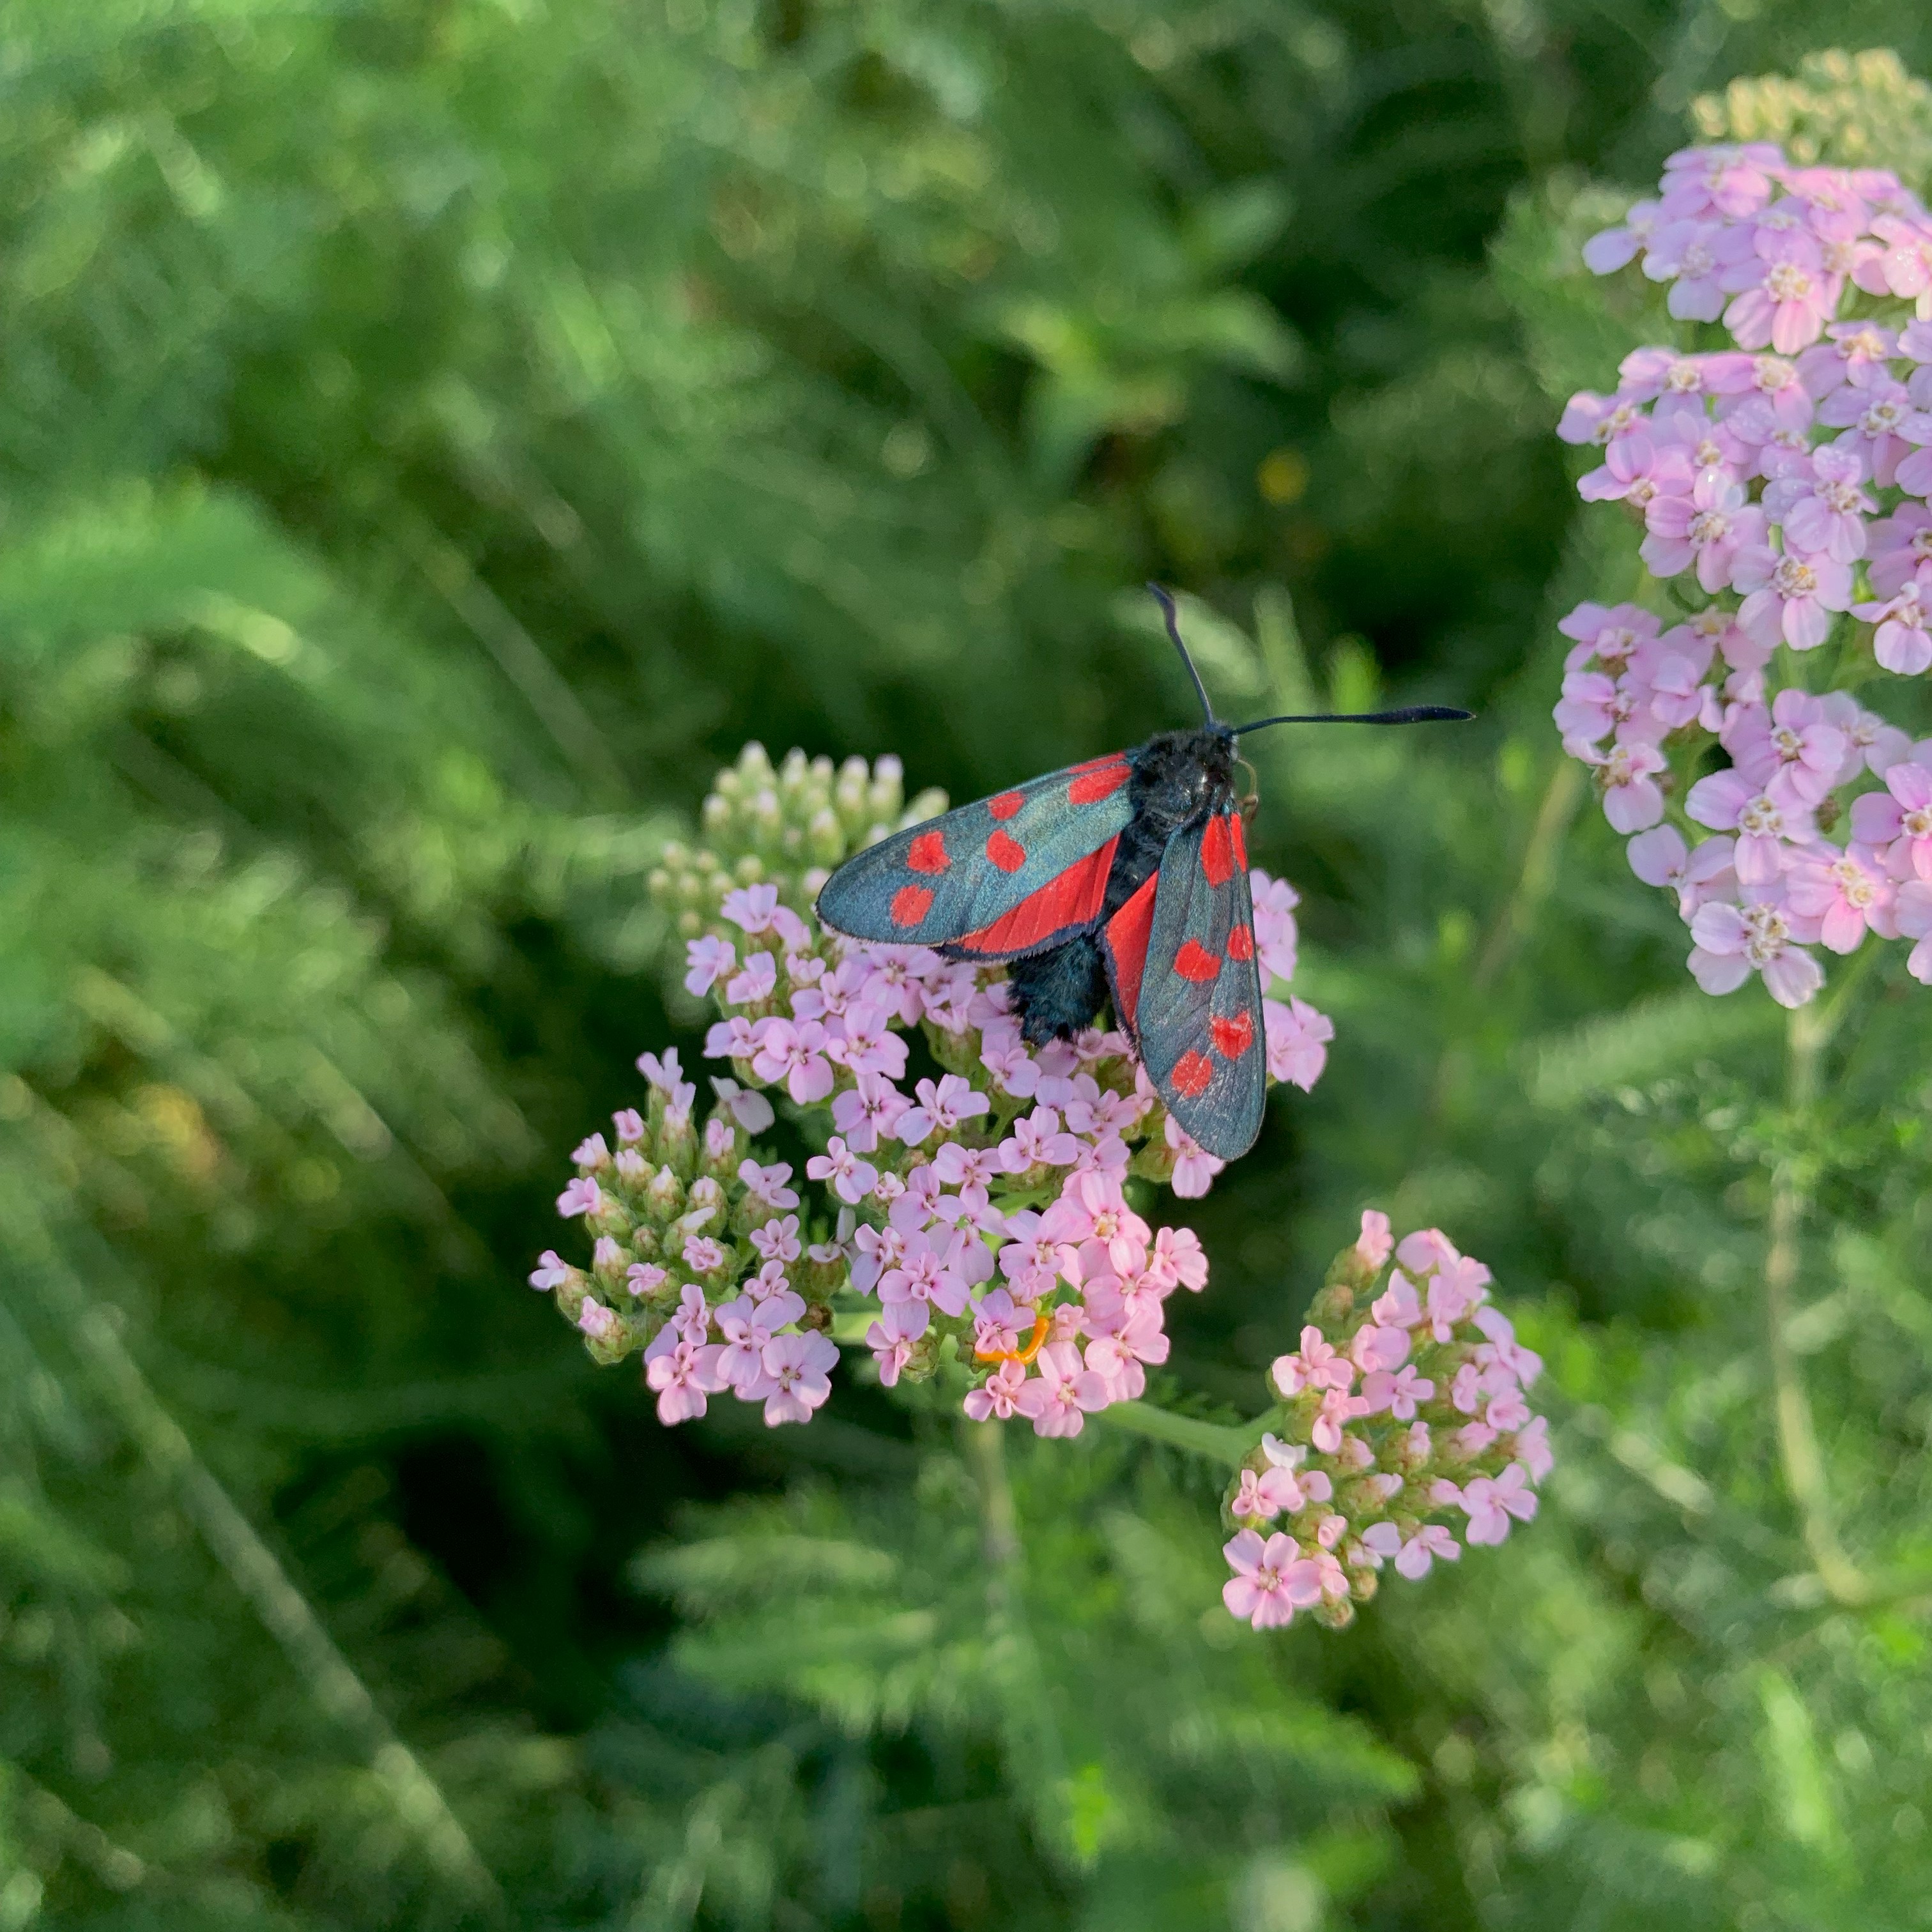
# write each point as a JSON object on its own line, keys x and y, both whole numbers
{"x": 1215, "y": 1440}
{"x": 1798, "y": 1452}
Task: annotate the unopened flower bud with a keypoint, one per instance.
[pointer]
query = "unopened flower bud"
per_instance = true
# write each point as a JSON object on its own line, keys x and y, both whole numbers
{"x": 663, "y": 1198}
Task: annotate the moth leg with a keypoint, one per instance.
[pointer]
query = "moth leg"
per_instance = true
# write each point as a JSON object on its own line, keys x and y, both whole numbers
{"x": 1058, "y": 992}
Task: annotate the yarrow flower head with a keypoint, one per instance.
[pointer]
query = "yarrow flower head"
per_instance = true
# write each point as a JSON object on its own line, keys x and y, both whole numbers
{"x": 1403, "y": 1424}
{"x": 984, "y": 1222}
{"x": 1775, "y": 482}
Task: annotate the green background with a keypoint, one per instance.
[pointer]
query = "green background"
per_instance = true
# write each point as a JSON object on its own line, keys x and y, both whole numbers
{"x": 434, "y": 434}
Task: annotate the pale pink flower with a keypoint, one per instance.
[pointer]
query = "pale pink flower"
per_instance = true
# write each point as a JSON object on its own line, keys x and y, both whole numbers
{"x": 732, "y": 1038}
{"x": 1338, "y": 1409}
{"x": 756, "y": 984}
{"x": 1177, "y": 1260}
{"x": 1880, "y": 425}
{"x": 1784, "y": 303}
{"x": 1733, "y": 942}
{"x": 1121, "y": 1358}
{"x": 1707, "y": 527}
{"x": 943, "y": 1105}
{"x": 893, "y": 1336}
{"x": 1613, "y": 248}
{"x": 1532, "y": 1447}
{"x": 1854, "y": 352}
{"x": 682, "y": 1376}
{"x": 643, "y": 1278}
{"x": 1824, "y": 511}
{"x": 1912, "y": 914}
{"x": 1099, "y": 1111}
{"x": 708, "y": 959}
{"x": 1694, "y": 257}
{"x": 766, "y": 1185}
{"x": 1794, "y": 739}
{"x": 851, "y": 1178}
{"x": 1903, "y": 642}
{"x": 1845, "y": 891}
{"x": 1194, "y": 1168}
{"x": 1763, "y": 821}
{"x": 868, "y": 1112}
{"x": 777, "y": 1239}
{"x": 796, "y": 1366}
{"x": 1490, "y": 1502}
{"x": 600, "y": 1323}
{"x": 794, "y": 1053}
{"x": 1058, "y": 1400}
{"x": 583, "y": 1196}
{"x": 1398, "y": 1393}
{"x": 1261, "y": 1495}
{"x": 1900, "y": 544}
{"x": 1431, "y": 1542}
{"x": 1317, "y": 1365}
{"x": 1792, "y": 596}
{"x": 924, "y": 1275}
{"x": 1297, "y": 1038}
{"x": 1276, "y": 937}
{"x": 1761, "y": 386}
{"x": 1037, "y": 1140}
{"x": 1638, "y": 467}
{"x": 551, "y": 1271}
{"x": 1900, "y": 818}
{"x": 1731, "y": 181}
{"x": 1374, "y": 1242}
{"x": 1589, "y": 418}
{"x": 1606, "y": 636}
{"x": 1000, "y": 1397}
{"x": 1374, "y": 1346}
{"x": 1272, "y": 1579}
{"x": 1906, "y": 262}
{"x": 747, "y": 1325}
{"x": 750, "y": 907}
{"x": 1632, "y": 800}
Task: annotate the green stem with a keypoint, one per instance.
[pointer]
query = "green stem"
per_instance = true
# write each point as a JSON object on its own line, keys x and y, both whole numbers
{"x": 1560, "y": 798}
{"x": 1213, "y": 1440}
{"x": 1802, "y": 1460}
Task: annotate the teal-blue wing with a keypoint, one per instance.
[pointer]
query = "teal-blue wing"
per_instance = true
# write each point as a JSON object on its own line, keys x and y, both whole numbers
{"x": 1009, "y": 874}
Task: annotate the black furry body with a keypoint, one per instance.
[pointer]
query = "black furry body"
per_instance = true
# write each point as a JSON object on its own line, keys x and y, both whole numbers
{"x": 1178, "y": 777}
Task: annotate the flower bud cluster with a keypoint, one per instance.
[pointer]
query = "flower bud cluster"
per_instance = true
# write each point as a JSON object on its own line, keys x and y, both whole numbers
{"x": 1779, "y": 484}
{"x": 1403, "y": 1421}
{"x": 788, "y": 825}
{"x": 973, "y": 1221}
{"x": 697, "y": 1258}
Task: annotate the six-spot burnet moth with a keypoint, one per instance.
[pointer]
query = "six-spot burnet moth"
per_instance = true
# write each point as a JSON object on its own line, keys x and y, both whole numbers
{"x": 1125, "y": 878}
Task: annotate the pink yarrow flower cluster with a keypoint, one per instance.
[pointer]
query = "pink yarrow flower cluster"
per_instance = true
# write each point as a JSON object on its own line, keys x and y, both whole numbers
{"x": 978, "y": 1219}
{"x": 1403, "y": 1425}
{"x": 1778, "y": 484}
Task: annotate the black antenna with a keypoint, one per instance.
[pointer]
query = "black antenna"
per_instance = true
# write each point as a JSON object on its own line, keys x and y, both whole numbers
{"x": 1413, "y": 714}
{"x": 1167, "y": 611}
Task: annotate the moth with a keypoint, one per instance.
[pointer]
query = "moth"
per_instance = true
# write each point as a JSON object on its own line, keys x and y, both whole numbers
{"x": 1121, "y": 880}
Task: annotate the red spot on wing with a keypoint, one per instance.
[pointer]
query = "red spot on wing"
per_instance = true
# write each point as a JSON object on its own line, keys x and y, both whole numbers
{"x": 1005, "y": 852}
{"x": 1241, "y": 943}
{"x": 1194, "y": 961}
{"x": 927, "y": 852}
{"x": 1101, "y": 782}
{"x": 1217, "y": 857}
{"x": 1191, "y": 1073}
{"x": 1232, "y": 1037}
{"x": 1072, "y": 898}
{"x": 1127, "y": 934}
{"x": 1007, "y": 804}
{"x": 910, "y": 904}
{"x": 1238, "y": 836}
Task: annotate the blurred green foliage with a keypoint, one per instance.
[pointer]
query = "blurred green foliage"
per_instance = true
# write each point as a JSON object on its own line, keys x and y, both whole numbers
{"x": 432, "y": 436}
